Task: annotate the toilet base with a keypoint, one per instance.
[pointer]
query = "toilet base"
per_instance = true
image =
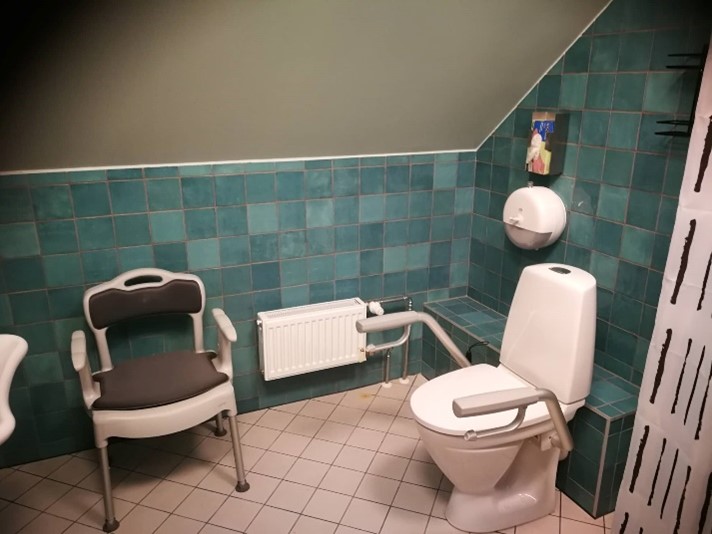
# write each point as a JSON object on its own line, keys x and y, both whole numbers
{"x": 516, "y": 500}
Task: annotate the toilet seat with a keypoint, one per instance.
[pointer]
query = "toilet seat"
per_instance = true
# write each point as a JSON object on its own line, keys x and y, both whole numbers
{"x": 431, "y": 403}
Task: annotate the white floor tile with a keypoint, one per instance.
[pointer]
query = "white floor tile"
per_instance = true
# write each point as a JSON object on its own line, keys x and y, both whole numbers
{"x": 354, "y": 458}
{"x": 307, "y": 472}
{"x": 180, "y": 443}
{"x": 346, "y": 415}
{"x": 336, "y": 432}
{"x": 334, "y": 398}
{"x": 221, "y": 479}
{"x": 441, "y": 526}
{"x": 317, "y": 409}
{"x": 377, "y": 489}
{"x": 17, "y": 483}
{"x": 93, "y": 482}
{"x": 260, "y": 437}
{"x": 251, "y": 417}
{"x": 304, "y": 426}
{"x": 213, "y": 529}
{"x": 250, "y": 455}
{"x": 343, "y": 529}
{"x": 421, "y": 453}
{"x": 385, "y": 405}
{"x": 376, "y": 421}
{"x": 261, "y": 488}
{"x": 274, "y": 464}
{"x": 396, "y": 391}
{"x": 357, "y": 399}
{"x": 322, "y": 451}
{"x": 200, "y": 504}
{"x": 415, "y": 498}
{"x": 13, "y": 517}
{"x": 46, "y": 524}
{"x": 292, "y": 407}
{"x": 135, "y": 487}
{"x": 235, "y": 514}
{"x": 440, "y": 504}
{"x": 94, "y": 517}
{"x": 292, "y": 444}
{"x": 546, "y": 525}
{"x": 404, "y": 427}
{"x": 327, "y": 505}
{"x": 128, "y": 454}
{"x": 365, "y": 438}
{"x": 73, "y": 471}
{"x": 190, "y": 471}
{"x": 43, "y": 495}
{"x": 571, "y": 510}
{"x": 275, "y": 420}
{"x": 75, "y": 503}
{"x": 211, "y": 450}
{"x": 291, "y": 496}
{"x": 166, "y": 496}
{"x": 423, "y": 473}
{"x": 78, "y": 528}
{"x": 388, "y": 466}
{"x": 180, "y": 525}
{"x": 312, "y": 525}
{"x": 398, "y": 445}
{"x": 42, "y": 468}
{"x": 365, "y": 515}
{"x": 341, "y": 480}
{"x": 159, "y": 463}
{"x": 272, "y": 521}
{"x": 400, "y": 521}
{"x": 569, "y": 526}
{"x": 142, "y": 520}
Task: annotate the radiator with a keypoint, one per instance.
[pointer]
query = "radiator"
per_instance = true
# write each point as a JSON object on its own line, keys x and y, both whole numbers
{"x": 303, "y": 339}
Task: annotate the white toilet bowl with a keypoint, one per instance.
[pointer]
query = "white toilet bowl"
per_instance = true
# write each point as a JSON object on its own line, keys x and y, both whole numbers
{"x": 506, "y": 477}
{"x": 501, "y": 480}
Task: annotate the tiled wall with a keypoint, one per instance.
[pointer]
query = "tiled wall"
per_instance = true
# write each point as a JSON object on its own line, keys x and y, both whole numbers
{"x": 260, "y": 235}
{"x": 620, "y": 180}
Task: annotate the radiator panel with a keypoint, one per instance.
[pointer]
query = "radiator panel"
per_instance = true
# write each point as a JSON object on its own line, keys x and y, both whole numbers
{"x": 303, "y": 339}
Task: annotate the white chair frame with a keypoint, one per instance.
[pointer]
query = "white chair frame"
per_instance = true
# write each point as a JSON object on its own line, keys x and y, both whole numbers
{"x": 12, "y": 351}
{"x": 160, "y": 420}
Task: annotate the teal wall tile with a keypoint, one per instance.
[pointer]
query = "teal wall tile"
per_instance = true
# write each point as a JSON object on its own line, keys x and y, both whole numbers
{"x": 96, "y": 233}
{"x": 198, "y": 192}
{"x": 57, "y": 237}
{"x": 203, "y": 253}
{"x": 127, "y": 197}
{"x": 90, "y": 199}
{"x": 167, "y": 226}
{"x": 52, "y": 202}
{"x": 132, "y": 230}
{"x": 63, "y": 270}
{"x": 260, "y": 187}
{"x": 164, "y": 194}
{"x": 200, "y": 223}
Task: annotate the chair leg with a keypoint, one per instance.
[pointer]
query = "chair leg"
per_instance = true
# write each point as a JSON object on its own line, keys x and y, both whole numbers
{"x": 219, "y": 425}
{"x": 110, "y": 523}
{"x": 242, "y": 484}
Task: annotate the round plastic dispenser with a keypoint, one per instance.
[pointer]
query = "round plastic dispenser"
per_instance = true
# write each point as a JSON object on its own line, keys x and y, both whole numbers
{"x": 534, "y": 217}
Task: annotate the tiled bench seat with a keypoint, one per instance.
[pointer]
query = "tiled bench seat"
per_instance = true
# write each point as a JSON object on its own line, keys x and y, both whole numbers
{"x": 601, "y": 429}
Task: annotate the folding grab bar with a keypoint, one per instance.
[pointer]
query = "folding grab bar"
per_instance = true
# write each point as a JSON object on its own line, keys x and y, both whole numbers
{"x": 510, "y": 399}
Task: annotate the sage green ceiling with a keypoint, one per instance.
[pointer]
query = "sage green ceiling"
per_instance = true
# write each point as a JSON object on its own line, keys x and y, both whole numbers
{"x": 136, "y": 82}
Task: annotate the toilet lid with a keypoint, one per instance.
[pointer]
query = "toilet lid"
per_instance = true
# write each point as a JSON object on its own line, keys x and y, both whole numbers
{"x": 431, "y": 403}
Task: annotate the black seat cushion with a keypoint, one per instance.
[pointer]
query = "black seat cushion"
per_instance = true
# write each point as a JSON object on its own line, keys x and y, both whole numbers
{"x": 157, "y": 380}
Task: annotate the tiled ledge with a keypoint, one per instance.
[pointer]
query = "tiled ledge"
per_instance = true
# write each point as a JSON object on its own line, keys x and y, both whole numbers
{"x": 602, "y": 429}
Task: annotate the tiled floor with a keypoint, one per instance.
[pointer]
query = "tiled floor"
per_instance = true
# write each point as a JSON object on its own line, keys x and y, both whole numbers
{"x": 348, "y": 463}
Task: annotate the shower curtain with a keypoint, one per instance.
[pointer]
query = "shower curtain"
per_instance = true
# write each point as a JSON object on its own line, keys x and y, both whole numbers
{"x": 667, "y": 484}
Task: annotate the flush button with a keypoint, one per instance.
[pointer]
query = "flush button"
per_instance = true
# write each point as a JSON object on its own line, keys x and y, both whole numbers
{"x": 560, "y": 270}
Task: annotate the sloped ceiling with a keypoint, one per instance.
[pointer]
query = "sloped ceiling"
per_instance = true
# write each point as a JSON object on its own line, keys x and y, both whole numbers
{"x": 170, "y": 81}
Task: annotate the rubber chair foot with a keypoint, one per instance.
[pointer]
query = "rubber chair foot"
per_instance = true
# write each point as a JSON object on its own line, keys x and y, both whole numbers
{"x": 110, "y": 526}
{"x": 242, "y": 487}
{"x": 220, "y": 434}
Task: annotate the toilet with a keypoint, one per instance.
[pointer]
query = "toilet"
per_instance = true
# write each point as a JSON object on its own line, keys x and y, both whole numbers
{"x": 506, "y": 478}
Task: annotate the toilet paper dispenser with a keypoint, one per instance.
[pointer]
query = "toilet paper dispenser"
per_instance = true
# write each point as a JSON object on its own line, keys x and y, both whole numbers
{"x": 534, "y": 217}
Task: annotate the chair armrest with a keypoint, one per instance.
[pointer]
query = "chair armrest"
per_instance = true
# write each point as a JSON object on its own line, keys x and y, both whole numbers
{"x": 90, "y": 390}
{"x": 226, "y": 336}
{"x": 495, "y": 401}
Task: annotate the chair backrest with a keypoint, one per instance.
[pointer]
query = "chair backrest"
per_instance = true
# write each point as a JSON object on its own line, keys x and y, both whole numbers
{"x": 142, "y": 293}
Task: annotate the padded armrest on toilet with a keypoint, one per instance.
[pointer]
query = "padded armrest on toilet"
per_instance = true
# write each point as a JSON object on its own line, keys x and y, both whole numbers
{"x": 495, "y": 401}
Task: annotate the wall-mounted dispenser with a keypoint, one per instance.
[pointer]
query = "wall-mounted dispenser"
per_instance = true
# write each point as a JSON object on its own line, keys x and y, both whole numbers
{"x": 547, "y": 142}
{"x": 534, "y": 217}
